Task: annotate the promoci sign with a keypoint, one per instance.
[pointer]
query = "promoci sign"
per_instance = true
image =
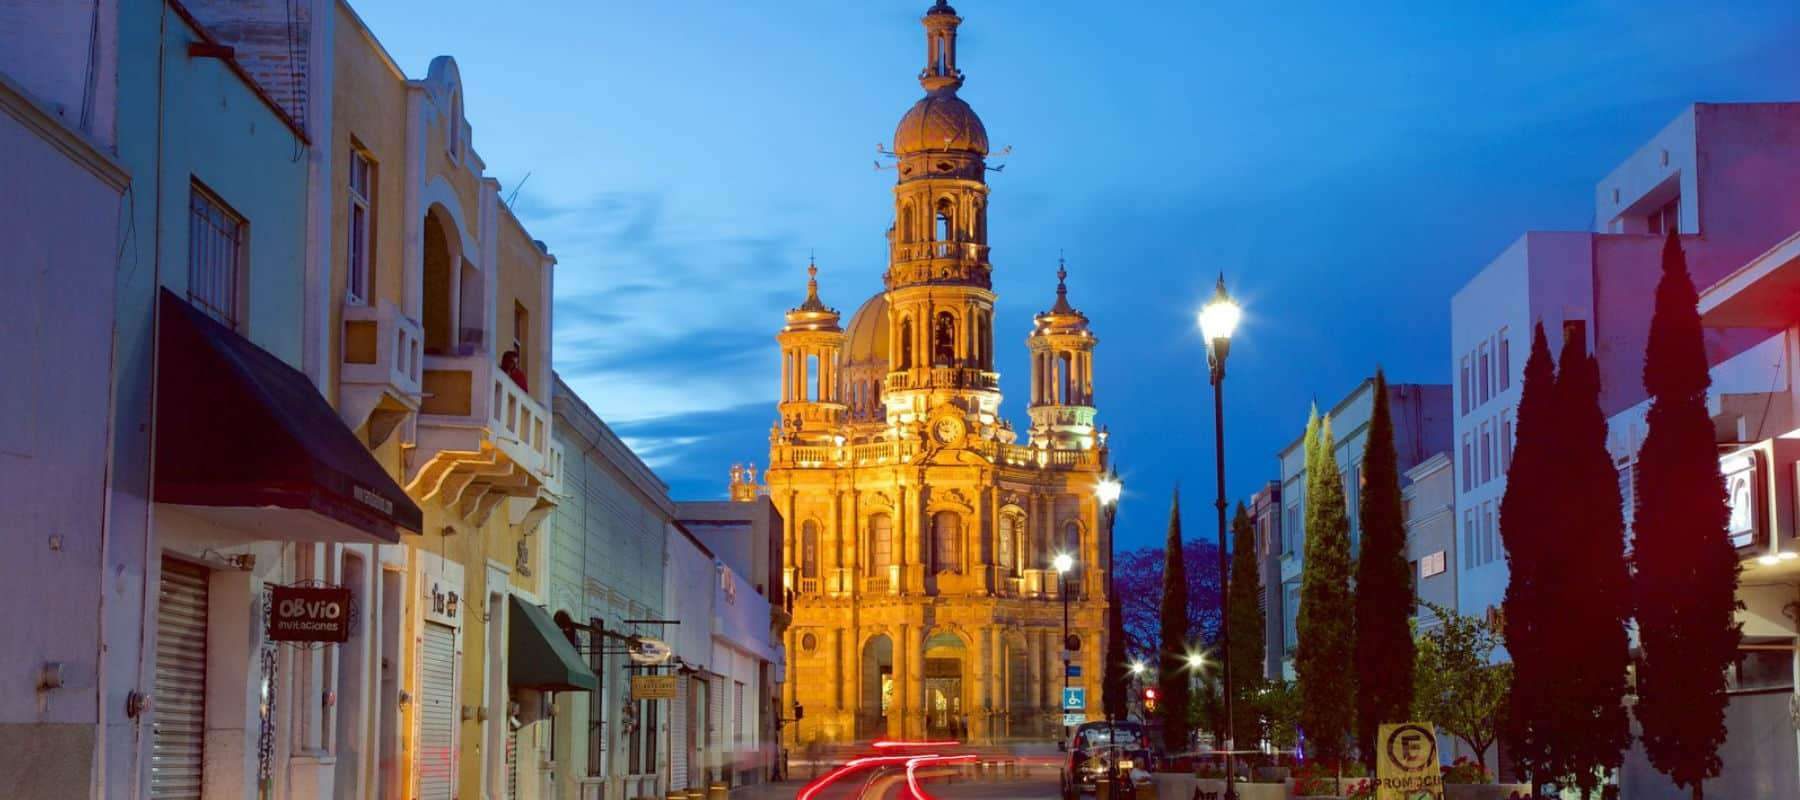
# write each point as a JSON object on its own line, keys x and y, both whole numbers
{"x": 309, "y": 614}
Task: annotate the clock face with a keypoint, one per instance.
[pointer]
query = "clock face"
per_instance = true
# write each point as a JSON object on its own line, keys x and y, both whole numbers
{"x": 948, "y": 429}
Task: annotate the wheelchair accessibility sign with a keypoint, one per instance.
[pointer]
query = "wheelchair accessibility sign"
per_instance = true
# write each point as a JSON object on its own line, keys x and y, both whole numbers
{"x": 1074, "y": 698}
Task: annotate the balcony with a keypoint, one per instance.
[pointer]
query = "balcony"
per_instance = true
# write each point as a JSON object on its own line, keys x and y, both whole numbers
{"x": 481, "y": 438}
{"x": 380, "y": 371}
{"x": 943, "y": 378}
{"x": 809, "y": 585}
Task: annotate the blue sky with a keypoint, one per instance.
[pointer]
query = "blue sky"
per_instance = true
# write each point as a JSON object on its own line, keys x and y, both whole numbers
{"x": 1346, "y": 165}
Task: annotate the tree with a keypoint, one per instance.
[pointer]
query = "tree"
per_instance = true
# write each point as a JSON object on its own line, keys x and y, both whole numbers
{"x": 1139, "y": 575}
{"x": 1384, "y": 589}
{"x": 1587, "y": 583}
{"x": 1278, "y": 704}
{"x": 1528, "y": 519}
{"x": 1687, "y": 569}
{"x": 1457, "y": 686}
{"x": 1171, "y": 674}
{"x": 1327, "y": 644}
{"x": 1248, "y": 644}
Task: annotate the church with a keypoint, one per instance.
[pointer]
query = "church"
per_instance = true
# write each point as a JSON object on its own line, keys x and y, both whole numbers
{"x": 921, "y": 526}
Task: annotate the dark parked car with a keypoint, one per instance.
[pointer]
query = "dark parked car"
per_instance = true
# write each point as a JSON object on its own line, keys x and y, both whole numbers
{"x": 1103, "y": 748}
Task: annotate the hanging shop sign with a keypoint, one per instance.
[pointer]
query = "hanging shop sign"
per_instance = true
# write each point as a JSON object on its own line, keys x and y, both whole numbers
{"x": 653, "y": 687}
{"x": 1406, "y": 763}
{"x": 646, "y": 650}
{"x": 309, "y": 614}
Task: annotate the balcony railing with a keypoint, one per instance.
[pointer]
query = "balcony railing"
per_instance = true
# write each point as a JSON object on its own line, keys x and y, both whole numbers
{"x": 943, "y": 378}
{"x": 919, "y": 251}
{"x": 809, "y": 585}
{"x": 468, "y": 402}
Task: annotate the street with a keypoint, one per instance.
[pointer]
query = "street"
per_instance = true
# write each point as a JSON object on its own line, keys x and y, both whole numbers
{"x": 1039, "y": 784}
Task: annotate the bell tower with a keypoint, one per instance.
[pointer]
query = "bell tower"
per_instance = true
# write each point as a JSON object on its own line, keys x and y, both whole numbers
{"x": 1062, "y": 373}
{"x": 811, "y": 341}
{"x": 940, "y": 296}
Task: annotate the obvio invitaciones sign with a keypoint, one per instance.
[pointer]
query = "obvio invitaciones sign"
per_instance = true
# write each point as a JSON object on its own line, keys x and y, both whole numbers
{"x": 309, "y": 614}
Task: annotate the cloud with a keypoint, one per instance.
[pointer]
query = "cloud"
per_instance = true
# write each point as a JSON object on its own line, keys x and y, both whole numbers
{"x": 691, "y": 451}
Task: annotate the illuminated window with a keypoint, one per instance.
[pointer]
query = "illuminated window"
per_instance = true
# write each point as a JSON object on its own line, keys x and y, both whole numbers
{"x": 881, "y": 539}
{"x": 946, "y": 542}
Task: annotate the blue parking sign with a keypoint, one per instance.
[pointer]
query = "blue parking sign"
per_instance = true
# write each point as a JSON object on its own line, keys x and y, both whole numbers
{"x": 1074, "y": 698}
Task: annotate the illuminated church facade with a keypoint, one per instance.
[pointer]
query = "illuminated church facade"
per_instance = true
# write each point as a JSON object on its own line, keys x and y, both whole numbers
{"x": 920, "y": 525}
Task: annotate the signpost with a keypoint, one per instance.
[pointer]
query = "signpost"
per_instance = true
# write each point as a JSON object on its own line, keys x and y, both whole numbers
{"x": 1074, "y": 718}
{"x": 309, "y": 614}
{"x": 1406, "y": 766}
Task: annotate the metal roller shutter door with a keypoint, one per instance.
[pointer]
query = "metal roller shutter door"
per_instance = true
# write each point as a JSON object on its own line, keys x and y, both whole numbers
{"x": 437, "y": 713}
{"x": 678, "y": 736}
{"x": 178, "y": 751}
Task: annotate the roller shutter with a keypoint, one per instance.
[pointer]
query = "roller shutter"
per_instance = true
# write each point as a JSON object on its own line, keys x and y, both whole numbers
{"x": 180, "y": 712}
{"x": 437, "y": 713}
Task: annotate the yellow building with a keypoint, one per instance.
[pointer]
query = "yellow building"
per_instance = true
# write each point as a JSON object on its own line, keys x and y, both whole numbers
{"x": 437, "y": 286}
{"x": 921, "y": 527}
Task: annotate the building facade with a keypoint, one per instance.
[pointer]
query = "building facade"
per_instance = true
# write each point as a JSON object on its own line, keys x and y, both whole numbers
{"x": 1756, "y": 419}
{"x": 1429, "y": 498}
{"x": 921, "y": 526}
{"x": 1421, "y": 416}
{"x": 1265, "y": 513}
{"x": 1720, "y": 176}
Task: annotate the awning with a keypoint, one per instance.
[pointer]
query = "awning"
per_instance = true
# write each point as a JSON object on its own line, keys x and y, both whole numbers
{"x": 243, "y": 434}
{"x": 540, "y": 657}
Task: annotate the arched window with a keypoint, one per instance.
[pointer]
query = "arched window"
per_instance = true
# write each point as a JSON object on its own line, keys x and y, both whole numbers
{"x": 809, "y": 549}
{"x": 907, "y": 225}
{"x": 943, "y": 337}
{"x": 1006, "y": 546}
{"x": 945, "y": 221}
{"x": 946, "y": 542}
{"x": 906, "y": 343}
{"x": 1071, "y": 540}
{"x": 881, "y": 543}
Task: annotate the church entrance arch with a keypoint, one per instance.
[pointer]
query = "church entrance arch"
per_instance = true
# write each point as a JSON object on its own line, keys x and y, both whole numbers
{"x": 945, "y": 711}
{"x": 877, "y": 687}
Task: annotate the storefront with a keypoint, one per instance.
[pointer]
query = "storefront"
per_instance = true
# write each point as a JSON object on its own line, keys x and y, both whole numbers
{"x": 258, "y": 484}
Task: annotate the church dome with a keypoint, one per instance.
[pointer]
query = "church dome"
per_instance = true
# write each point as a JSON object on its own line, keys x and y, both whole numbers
{"x": 866, "y": 340}
{"x": 940, "y": 121}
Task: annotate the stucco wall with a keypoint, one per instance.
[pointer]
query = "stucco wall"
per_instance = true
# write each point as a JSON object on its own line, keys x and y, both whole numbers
{"x": 59, "y": 218}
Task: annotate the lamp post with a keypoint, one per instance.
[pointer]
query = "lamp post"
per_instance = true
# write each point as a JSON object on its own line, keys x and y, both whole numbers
{"x": 1107, "y": 492}
{"x": 1217, "y": 320}
{"x": 1063, "y": 563}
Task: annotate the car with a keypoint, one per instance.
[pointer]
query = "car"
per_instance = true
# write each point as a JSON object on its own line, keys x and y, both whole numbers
{"x": 1094, "y": 749}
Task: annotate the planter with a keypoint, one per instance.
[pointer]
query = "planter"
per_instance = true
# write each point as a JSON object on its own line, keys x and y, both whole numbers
{"x": 1484, "y": 791}
{"x": 1262, "y": 791}
{"x": 1273, "y": 774}
{"x": 1173, "y": 785}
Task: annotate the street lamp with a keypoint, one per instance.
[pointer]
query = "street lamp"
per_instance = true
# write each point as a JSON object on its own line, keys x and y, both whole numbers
{"x": 1107, "y": 492}
{"x": 1217, "y": 320}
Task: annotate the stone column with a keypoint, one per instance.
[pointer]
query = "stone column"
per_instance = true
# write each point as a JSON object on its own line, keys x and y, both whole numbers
{"x": 1034, "y": 654}
{"x": 852, "y": 685}
{"x": 997, "y": 696}
{"x": 902, "y": 664}
{"x": 975, "y": 686}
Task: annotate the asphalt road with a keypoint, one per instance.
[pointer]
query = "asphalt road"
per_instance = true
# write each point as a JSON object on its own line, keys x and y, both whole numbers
{"x": 1038, "y": 785}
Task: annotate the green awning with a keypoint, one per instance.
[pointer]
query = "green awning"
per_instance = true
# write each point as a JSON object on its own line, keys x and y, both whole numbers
{"x": 541, "y": 657}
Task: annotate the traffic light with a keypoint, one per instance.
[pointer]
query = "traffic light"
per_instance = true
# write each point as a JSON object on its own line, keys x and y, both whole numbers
{"x": 1150, "y": 699}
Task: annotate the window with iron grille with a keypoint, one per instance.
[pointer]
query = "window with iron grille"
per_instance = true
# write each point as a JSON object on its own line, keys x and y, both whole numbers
{"x": 359, "y": 238}
{"x": 215, "y": 256}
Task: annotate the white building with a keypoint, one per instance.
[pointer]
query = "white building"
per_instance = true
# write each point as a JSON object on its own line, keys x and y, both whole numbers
{"x": 1722, "y": 176}
{"x": 1756, "y": 416}
{"x": 1420, "y": 413}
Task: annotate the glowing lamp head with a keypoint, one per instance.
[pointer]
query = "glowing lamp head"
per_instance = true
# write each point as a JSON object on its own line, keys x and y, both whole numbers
{"x": 1219, "y": 317}
{"x": 1063, "y": 562}
{"x": 1196, "y": 660}
{"x": 1107, "y": 491}
{"x": 1137, "y": 668}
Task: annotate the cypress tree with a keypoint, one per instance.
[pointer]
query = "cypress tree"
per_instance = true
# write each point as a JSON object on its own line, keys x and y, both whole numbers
{"x": 1326, "y": 650}
{"x": 1588, "y": 584}
{"x": 1384, "y": 591}
{"x": 1687, "y": 569}
{"x": 1171, "y": 673}
{"x": 1528, "y": 518}
{"x": 1246, "y": 630}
